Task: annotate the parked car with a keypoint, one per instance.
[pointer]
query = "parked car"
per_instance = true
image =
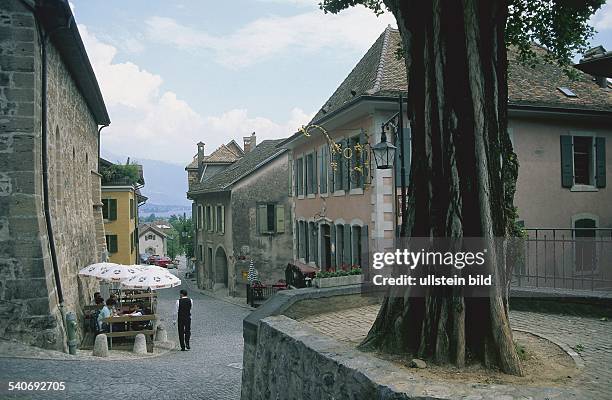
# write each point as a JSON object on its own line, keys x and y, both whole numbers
{"x": 163, "y": 262}
{"x": 152, "y": 259}
{"x": 144, "y": 258}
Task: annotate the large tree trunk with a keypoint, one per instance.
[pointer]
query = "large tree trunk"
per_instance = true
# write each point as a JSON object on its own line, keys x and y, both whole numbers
{"x": 462, "y": 179}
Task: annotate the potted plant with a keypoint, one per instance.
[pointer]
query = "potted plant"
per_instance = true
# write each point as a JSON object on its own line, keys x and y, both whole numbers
{"x": 342, "y": 276}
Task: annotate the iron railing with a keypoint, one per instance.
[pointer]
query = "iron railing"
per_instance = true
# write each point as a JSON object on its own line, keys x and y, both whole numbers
{"x": 570, "y": 259}
{"x": 258, "y": 293}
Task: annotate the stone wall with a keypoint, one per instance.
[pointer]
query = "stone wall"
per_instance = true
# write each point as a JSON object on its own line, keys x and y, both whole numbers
{"x": 272, "y": 252}
{"x": 29, "y": 309}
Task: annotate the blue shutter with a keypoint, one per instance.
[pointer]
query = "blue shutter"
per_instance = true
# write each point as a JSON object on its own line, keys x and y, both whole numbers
{"x": 324, "y": 161}
{"x": 600, "y": 162}
{"x": 567, "y": 162}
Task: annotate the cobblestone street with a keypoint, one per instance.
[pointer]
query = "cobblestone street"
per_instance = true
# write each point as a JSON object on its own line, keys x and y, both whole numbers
{"x": 590, "y": 337}
{"x": 211, "y": 370}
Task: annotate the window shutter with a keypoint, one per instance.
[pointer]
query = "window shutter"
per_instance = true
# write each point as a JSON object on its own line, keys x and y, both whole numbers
{"x": 330, "y": 170}
{"x": 112, "y": 212}
{"x": 222, "y": 219}
{"x": 280, "y": 218}
{"x": 290, "y": 179}
{"x": 332, "y": 237}
{"x": 346, "y": 243}
{"x": 362, "y": 159}
{"x": 262, "y": 218}
{"x": 600, "y": 162}
{"x": 315, "y": 243}
{"x": 346, "y": 166}
{"x": 323, "y": 168}
{"x": 406, "y": 133}
{"x": 295, "y": 177}
{"x": 314, "y": 179}
{"x": 365, "y": 256}
{"x": 296, "y": 225}
{"x": 567, "y": 162}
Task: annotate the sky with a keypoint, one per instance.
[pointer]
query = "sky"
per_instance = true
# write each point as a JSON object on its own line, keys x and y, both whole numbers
{"x": 173, "y": 73}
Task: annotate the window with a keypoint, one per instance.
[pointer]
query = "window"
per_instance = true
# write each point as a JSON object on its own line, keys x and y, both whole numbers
{"x": 339, "y": 169}
{"x": 109, "y": 209}
{"x": 585, "y": 254}
{"x": 339, "y": 245}
{"x": 199, "y": 223}
{"x": 111, "y": 243}
{"x": 132, "y": 209}
{"x": 311, "y": 174}
{"x": 150, "y": 236}
{"x": 270, "y": 218}
{"x": 299, "y": 183}
{"x": 208, "y": 217}
{"x": 312, "y": 243}
{"x": 132, "y": 242}
{"x": 583, "y": 161}
{"x": 220, "y": 220}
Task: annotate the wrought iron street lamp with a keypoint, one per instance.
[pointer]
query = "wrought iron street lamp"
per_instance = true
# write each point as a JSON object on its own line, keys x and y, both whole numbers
{"x": 384, "y": 152}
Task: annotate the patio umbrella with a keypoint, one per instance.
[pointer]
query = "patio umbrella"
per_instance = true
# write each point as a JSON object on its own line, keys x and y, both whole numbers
{"x": 94, "y": 269}
{"x": 118, "y": 273}
{"x": 151, "y": 278}
{"x": 253, "y": 274}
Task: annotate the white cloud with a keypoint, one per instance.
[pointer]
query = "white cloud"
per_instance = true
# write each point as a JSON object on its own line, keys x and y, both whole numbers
{"x": 148, "y": 122}
{"x": 602, "y": 19}
{"x": 354, "y": 29}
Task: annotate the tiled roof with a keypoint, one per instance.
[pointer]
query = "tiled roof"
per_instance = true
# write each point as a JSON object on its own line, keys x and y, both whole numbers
{"x": 241, "y": 168}
{"x": 381, "y": 73}
{"x": 225, "y": 154}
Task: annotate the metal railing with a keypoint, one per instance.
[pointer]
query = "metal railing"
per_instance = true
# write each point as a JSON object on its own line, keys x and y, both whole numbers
{"x": 257, "y": 293}
{"x": 570, "y": 259}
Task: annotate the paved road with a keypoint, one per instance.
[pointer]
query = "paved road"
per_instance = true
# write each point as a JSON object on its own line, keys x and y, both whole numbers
{"x": 209, "y": 371}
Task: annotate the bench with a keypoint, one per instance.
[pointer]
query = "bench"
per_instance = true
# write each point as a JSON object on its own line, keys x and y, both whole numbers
{"x": 131, "y": 333}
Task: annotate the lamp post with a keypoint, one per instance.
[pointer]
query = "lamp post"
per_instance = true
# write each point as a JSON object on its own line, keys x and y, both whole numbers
{"x": 384, "y": 155}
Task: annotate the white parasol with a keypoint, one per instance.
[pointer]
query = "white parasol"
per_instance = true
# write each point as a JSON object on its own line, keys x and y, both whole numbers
{"x": 118, "y": 273}
{"x": 151, "y": 278}
{"x": 94, "y": 269}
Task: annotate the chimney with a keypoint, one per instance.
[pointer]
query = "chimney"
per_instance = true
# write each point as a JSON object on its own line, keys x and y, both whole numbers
{"x": 250, "y": 142}
{"x": 593, "y": 55}
{"x": 200, "y": 158}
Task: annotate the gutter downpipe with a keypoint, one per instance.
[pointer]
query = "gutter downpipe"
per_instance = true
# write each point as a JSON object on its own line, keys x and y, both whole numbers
{"x": 99, "y": 145}
{"x": 44, "y": 38}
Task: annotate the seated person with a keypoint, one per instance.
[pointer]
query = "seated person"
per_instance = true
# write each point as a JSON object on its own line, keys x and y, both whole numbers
{"x": 105, "y": 312}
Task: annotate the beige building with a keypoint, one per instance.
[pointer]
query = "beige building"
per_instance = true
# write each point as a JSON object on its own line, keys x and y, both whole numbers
{"x": 562, "y": 134}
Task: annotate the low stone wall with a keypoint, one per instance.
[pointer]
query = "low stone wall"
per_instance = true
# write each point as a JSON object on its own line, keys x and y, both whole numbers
{"x": 287, "y": 359}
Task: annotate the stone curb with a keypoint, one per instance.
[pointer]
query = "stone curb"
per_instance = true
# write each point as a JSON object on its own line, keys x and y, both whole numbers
{"x": 165, "y": 348}
{"x": 564, "y": 346}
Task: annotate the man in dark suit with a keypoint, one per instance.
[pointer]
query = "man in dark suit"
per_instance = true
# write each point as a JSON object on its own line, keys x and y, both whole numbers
{"x": 183, "y": 312}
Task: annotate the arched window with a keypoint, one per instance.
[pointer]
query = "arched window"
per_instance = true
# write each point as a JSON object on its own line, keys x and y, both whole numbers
{"x": 585, "y": 249}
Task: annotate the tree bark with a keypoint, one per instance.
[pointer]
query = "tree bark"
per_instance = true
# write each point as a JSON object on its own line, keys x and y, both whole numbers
{"x": 463, "y": 176}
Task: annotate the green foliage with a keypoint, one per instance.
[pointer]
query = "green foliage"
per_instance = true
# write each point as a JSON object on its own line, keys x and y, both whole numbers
{"x": 128, "y": 174}
{"x": 560, "y": 26}
{"x": 183, "y": 228}
{"x": 520, "y": 350}
{"x": 334, "y": 274}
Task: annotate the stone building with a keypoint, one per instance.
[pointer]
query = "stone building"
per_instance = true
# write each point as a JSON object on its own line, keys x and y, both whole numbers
{"x": 50, "y": 208}
{"x": 243, "y": 214}
{"x": 204, "y": 166}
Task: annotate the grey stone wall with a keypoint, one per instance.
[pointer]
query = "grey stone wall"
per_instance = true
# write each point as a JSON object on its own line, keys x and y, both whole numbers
{"x": 28, "y": 301}
{"x": 271, "y": 253}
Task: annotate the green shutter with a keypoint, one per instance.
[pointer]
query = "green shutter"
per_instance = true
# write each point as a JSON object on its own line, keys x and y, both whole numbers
{"x": 332, "y": 240}
{"x": 362, "y": 159}
{"x": 365, "y": 256}
{"x": 405, "y": 137}
{"x": 262, "y": 218}
{"x": 600, "y": 162}
{"x": 222, "y": 219}
{"x": 315, "y": 181}
{"x": 567, "y": 162}
{"x": 346, "y": 243}
{"x": 280, "y": 218}
{"x": 346, "y": 167}
{"x": 112, "y": 209}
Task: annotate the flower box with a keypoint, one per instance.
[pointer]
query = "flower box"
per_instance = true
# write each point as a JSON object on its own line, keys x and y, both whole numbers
{"x": 337, "y": 281}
